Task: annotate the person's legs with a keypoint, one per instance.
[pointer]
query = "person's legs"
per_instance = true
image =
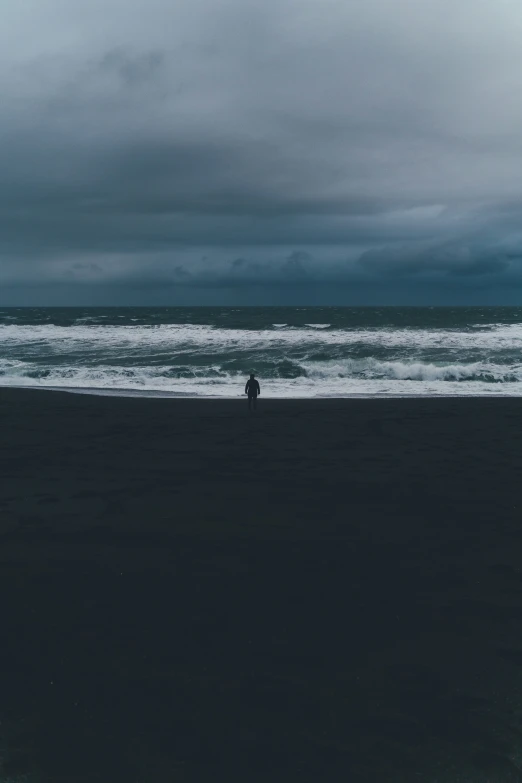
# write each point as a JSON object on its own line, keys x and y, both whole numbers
{"x": 255, "y": 401}
{"x": 249, "y": 402}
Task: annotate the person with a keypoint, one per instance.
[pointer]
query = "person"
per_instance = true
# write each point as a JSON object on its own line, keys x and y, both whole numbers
{"x": 253, "y": 390}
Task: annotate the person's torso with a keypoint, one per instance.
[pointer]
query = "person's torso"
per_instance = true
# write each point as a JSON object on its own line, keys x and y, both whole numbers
{"x": 252, "y": 386}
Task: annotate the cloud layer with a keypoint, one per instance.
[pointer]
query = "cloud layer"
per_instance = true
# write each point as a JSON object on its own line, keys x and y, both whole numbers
{"x": 260, "y": 148}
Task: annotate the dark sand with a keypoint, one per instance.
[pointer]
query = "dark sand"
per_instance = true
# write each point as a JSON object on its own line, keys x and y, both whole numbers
{"x": 323, "y": 591}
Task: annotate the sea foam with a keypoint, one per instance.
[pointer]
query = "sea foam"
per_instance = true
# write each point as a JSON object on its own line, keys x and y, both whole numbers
{"x": 137, "y": 352}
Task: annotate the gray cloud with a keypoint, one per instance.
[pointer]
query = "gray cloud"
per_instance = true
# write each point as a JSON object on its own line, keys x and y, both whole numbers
{"x": 133, "y": 71}
{"x": 318, "y": 143}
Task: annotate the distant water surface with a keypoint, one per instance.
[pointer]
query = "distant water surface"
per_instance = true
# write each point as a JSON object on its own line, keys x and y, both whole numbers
{"x": 295, "y": 351}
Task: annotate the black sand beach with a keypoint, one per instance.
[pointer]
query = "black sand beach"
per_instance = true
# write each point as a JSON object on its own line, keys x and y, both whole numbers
{"x": 322, "y": 591}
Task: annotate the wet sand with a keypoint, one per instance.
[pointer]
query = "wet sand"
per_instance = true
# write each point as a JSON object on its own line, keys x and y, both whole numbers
{"x": 325, "y": 590}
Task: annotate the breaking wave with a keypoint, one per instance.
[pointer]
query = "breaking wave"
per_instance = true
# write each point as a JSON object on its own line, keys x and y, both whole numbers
{"x": 144, "y": 352}
{"x": 280, "y": 379}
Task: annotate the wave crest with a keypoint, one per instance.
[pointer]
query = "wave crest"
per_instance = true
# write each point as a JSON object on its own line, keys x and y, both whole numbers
{"x": 415, "y": 371}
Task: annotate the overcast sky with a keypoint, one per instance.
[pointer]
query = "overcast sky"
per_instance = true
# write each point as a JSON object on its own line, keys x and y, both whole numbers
{"x": 260, "y": 151}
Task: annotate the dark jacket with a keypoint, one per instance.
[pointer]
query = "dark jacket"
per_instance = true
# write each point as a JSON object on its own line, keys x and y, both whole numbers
{"x": 252, "y": 387}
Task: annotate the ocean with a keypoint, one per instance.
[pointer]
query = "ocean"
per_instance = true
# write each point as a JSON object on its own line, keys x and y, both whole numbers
{"x": 294, "y": 351}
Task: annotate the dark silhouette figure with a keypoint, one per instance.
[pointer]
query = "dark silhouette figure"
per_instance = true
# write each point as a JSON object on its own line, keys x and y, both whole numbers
{"x": 253, "y": 390}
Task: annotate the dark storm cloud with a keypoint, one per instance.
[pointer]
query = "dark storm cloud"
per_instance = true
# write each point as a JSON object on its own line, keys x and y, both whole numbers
{"x": 455, "y": 259}
{"x": 289, "y": 146}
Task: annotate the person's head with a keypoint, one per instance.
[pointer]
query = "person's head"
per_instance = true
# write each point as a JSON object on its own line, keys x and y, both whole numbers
{"x": 251, "y": 376}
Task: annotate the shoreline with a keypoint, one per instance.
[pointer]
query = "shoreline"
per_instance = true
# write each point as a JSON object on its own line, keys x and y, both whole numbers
{"x": 154, "y": 394}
